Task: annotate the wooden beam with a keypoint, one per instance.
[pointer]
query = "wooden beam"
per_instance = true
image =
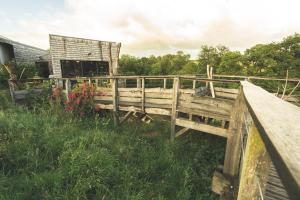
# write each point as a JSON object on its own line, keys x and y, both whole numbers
{"x": 202, "y": 127}
{"x": 176, "y": 86}
{"x": 128, "y": 114}
{"x": 181, "y": 132}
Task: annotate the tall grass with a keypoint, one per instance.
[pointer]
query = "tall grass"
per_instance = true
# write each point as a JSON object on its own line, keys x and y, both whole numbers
{"x": 44, "y": 155}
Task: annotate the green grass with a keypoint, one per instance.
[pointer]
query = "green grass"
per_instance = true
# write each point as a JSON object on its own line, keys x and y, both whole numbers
{"x": 44, "y": 155}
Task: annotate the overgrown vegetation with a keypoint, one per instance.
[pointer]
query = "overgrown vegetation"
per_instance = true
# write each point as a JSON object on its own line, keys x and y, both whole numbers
{"x": 45, "y": 154}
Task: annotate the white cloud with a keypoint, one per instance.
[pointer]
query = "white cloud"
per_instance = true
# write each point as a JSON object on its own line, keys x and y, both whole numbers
{"x": 161, "y": 26}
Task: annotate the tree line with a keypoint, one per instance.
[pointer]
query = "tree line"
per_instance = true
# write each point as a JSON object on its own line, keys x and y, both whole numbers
{"x": 273, "y": 59}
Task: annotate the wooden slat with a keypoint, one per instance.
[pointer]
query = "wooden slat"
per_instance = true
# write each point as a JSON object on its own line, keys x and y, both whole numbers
{"x": 203, "y": 113}
{"x": 181, "y": 132}
{"x": 279, "y": 125}
{"x": 207, "y": 108}
{"x": 217, "y": 102}
{"x": 201, "y": 127}
{"x": 155, "y": 111}
{"x": 226, "y": 95}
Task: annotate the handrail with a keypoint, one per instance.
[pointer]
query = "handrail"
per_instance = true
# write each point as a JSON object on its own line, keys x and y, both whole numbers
{"x": 278, "y": 123}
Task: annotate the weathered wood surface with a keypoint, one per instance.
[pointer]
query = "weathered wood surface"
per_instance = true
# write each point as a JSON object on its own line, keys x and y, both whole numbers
{"x": 174, "y": 114}
{"x": 233, "y": 146}
{"x": 279, "y": 125}
{"x": 219, "y": 183}
{"x": 255, "y": 168}
{"x": 202, "y": 127}
{"x": 275, "y": 188}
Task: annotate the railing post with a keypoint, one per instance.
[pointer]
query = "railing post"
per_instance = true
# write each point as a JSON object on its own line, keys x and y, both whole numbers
{"x": 194, "y": 84}
{"x": 255, "y": 168}
{"x": 165, "y": 83}
{"x": 138, "y": 83}
{"x": 233, "y": 146}
{"x": 68, "y": 88}
{"x": 143, "y": 94}
{"x": 176, "y": 87}
{"x": 115, "y": 100}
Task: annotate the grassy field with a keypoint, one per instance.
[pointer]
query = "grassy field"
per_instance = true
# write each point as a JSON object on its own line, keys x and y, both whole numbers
{"x": 50, "y": 155}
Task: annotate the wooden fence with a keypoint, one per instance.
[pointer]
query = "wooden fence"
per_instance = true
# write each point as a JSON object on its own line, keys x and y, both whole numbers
{"x": 262, "y": 158}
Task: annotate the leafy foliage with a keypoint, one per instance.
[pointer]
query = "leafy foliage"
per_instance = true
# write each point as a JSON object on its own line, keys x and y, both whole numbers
{"x": 262, "y": 59}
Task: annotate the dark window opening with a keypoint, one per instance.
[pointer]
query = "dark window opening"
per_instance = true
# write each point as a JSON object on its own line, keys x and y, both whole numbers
{"x": 73, "y": 68}
{"x": 43, "y": 69}
{"x": 6, "y": 53}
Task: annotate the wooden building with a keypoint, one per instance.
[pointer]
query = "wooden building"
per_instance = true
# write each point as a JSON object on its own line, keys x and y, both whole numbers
{"x": 78, "y": 57}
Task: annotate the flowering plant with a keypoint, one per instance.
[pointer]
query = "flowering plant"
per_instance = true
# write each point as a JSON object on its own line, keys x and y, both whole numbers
{"x": 81, "y": 100}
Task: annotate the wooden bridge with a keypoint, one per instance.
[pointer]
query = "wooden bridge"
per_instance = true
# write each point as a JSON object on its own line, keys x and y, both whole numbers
{"x": 262, "y": 158}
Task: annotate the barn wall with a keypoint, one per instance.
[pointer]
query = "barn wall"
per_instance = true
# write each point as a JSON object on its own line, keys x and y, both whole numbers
{"x": 27, "y": 54}
{"x": 24, "y": 53}
{"x": 70, "y": 48}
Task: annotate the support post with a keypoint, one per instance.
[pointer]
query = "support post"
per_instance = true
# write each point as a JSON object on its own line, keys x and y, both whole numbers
{"x": 138, "y": 83}
{"x": 143, "y": 94}
{"x": 115, "y": 100}
{"x": 194, "y": 84}
{"x": 176, "y": 87}
{"x": 255, "y": 168}
{"x": 165, "y": 83}
{"x": 12, "y": 91}
{"x": 233, "y": 146}
{"x": 68, "y": 88}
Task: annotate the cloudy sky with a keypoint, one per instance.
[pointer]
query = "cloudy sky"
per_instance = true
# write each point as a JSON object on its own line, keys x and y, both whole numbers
{"x": 147, "y": 27}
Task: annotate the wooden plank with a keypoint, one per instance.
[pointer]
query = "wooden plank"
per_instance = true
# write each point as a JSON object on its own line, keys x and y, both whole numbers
{"x": 217, "y": 102}
{"x": 159, "y": 101}
{"x": 158, "y": 95}
{"x": 207, "y": 108}
{"x": 130, "y": 94}
{"x": 255, "y": 168}
{"x": 203, "y": 113}
{"x": 155, "y": 111}
{"x": 226, "y": 90}
{"x": 279, "y": 125}
{"x": 226, "y": 95}
{"x": 181, "y": 132}
{"x": 201, "y": 127}
{"x": 128, "y": 114}
{"x": 176, "y": 87}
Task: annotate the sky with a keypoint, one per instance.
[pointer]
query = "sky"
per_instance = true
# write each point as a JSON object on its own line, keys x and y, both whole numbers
{"x": 146, "y": 27}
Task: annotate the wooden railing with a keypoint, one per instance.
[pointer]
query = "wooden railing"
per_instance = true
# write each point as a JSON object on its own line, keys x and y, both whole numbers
{"x": 273, "y": 138}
